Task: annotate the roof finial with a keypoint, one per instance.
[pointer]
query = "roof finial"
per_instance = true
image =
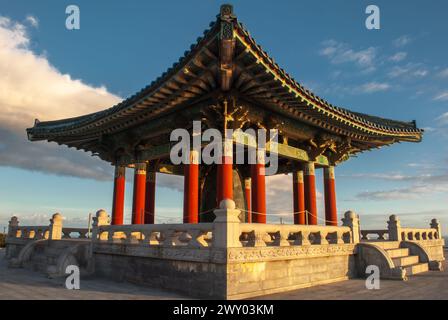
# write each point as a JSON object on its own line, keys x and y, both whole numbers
{"x": 226, "y": 11}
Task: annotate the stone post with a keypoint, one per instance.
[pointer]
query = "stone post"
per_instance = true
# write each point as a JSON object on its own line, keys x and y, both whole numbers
{"x": 394, "y": 227}
{"x": 226, "y": 231}
{"x": 12, "y": 226}
{"x": 436, "y": 225}
{"x": 55, "y": 227}
{"x": 101, "y": 219}
{"x": 351, "y": 220}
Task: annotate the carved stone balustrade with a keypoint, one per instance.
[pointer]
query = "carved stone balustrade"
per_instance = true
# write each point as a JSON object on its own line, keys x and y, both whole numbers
{"x": 165, "y": 235}
{"x": 414, "y": 234}
{"x": 30, "y": 232}
{"x": 74, "y": 233}
{"x": 380, "y": 234}
{"x": 399, "y": 233}
{"x": 270, "y": 235}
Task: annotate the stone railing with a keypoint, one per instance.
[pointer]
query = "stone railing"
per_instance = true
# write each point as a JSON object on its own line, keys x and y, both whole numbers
{"x": 378, "y": 234}
{"x": 75, "y": 233}
{"x": 30, "y": 232}
{"x": 52, "y": 231}
{"x": 166, "y": 235}
{"x": 262, "y": 235}
{"x": 399, "y": 233}
{"x": 225, "y": 232}
{"x": 409, "y": 234}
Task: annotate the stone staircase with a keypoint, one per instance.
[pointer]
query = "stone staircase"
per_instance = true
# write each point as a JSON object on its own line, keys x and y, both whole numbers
{"x": 402, "y": 258}
{"x": 52, "y": 258}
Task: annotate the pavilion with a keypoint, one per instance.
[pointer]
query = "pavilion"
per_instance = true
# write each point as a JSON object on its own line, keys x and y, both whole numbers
{"x": 227, "y": 81}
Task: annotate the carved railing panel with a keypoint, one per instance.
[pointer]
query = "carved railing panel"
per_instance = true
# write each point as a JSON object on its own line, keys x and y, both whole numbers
{"x": 380, "y": 235}
{"x": 165, "y": 235}
{"x": 417, "y": 234}
{"x": 74, "y": 233}
{"x": 266, "y": 235}
{"x": 30, "y": 232}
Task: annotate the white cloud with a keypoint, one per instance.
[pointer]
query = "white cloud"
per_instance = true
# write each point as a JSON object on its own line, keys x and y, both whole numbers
{"x": 443, "y": 73}
{"x": 410, "y": 70}
{"x": 374, "y": 87}
{"x": 402, "y": 41}
{"x": 30, "y": 88}
{"x": 382, "y": 176}
{"x": 33, "y": 21}
{"x": 339, "y": 53}
{"x": 420, "y": 186}
{"x": 415, "y": 192}
{"x": 443, "y": 119}
{"x": 442, "y": 96}
{"x": 399, "y": 56}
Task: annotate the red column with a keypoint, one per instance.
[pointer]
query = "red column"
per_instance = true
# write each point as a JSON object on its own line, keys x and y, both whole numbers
{"x": 331, "y": 214}
{"x": 191, "y": 189}
{"x": 138, "y": 205}
{"x": 299, "y": 197}
{"x": 247, "y": 192}
{"x": 310, "y": 192}
{"x": 150, "y": 197}
{"x": 118, "y": 200}
{"x": 225, "y": 173}
{"x": 258, "y": 189}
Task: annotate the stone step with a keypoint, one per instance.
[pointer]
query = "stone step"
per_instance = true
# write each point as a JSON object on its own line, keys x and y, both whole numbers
{"x": 397, "y": 253}
{"x": 386, "y": 245}
{"x": 416, "y": 268}
{"x": 405, "y": 261}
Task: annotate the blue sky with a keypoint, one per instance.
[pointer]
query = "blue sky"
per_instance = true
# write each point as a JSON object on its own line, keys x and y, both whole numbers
{"x": 399, "y": 72}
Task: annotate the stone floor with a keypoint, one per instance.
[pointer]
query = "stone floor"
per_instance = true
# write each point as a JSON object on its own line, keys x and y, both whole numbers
{"x": 430, "y": 285}
{"x": 25, "y": 284}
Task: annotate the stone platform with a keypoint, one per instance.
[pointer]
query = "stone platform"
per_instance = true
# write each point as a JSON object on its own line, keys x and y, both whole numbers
{"x": 225, "y": 259}
{"x": 25, "y": 284}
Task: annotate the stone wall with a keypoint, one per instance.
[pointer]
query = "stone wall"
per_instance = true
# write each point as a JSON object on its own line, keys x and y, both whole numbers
{"x": 253, "y": 279}
{"x": 196, "y": 279}
{"x": 238, "y": 273}
{"x": 434, "y": 249}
